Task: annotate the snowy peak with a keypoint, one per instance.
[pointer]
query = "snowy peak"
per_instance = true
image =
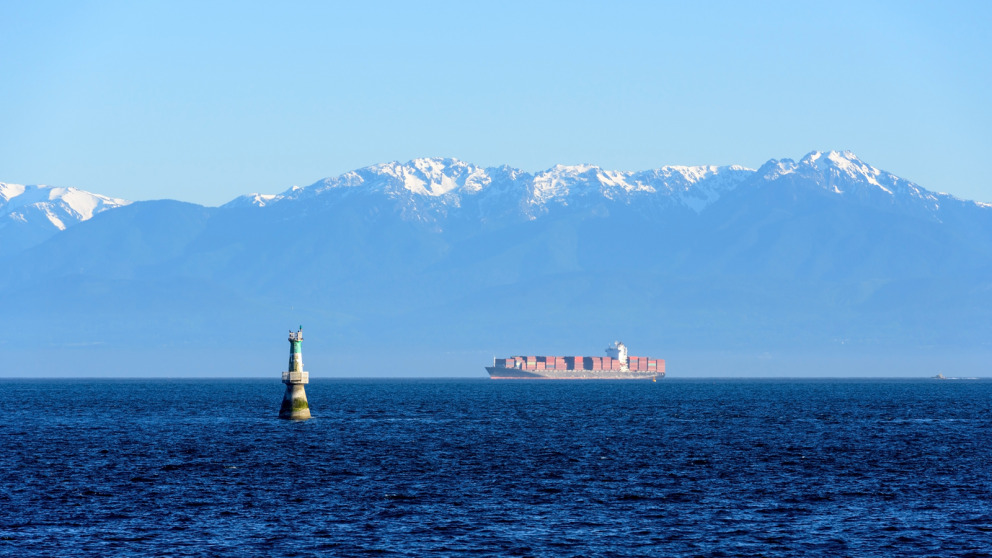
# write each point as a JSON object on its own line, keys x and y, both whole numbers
{"x": 831, "y": 170}
{"x": 436, "y": 177}
{"x": 844, "y": 165}
{"x": 842, "y": 173}
{"x": 432, "y": 177}
{"x": 253, "y": 200}
{"x": 819, "y": 162}
{"x": 58, "y": 207}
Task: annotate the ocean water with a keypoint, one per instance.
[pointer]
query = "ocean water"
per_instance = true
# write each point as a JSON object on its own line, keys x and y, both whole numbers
{"x": 452, "y": 467}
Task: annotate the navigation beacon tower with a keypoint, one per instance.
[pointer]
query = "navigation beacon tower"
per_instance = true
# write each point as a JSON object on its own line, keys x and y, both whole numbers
{"x": 294, "y": 401}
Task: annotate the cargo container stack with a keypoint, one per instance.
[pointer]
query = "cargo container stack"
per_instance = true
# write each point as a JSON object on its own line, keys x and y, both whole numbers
{"x": 616, "y": 365}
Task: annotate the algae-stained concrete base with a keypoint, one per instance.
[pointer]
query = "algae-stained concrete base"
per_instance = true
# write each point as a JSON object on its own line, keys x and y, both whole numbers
{"x": 294, "y": 403}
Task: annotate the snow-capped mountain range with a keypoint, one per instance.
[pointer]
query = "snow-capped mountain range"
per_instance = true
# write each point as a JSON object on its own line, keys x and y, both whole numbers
{"x": 430, "y": 188}
{"x": 436, "y": 191}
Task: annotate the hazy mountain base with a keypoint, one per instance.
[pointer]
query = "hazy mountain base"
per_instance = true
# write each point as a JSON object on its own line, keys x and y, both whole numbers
{"x": 182, "y": 328}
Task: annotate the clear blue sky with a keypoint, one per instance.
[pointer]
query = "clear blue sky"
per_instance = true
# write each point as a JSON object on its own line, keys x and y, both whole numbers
{"x": 204, "y": 101}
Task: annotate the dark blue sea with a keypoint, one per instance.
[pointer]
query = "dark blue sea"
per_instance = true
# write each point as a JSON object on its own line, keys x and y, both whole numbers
{"x": 458, "y": 467}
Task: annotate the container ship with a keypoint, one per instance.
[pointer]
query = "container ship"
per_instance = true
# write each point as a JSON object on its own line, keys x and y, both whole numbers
{"x": 616, "y": 365}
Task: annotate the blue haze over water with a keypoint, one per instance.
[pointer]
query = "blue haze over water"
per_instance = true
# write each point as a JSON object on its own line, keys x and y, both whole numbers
{"x": 411, "y": 467}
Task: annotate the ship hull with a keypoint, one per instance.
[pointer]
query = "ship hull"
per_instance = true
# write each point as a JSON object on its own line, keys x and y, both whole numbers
{"x": 501, "y": 373}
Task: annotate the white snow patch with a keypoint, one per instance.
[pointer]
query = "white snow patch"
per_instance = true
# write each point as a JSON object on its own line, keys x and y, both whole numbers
{"x": 54, "y": 220}
{"x": 83, "y": 203}
{"x": 261, "y": 200}
{"x": 783, "y": 168}
{"x": 415, "y": 184}
{"x": 10, "y": 191}
{"x": 837, "y": 158}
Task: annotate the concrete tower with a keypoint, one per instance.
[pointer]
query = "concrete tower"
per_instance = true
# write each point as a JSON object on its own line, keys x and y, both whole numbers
{"x": 294, "y": 401}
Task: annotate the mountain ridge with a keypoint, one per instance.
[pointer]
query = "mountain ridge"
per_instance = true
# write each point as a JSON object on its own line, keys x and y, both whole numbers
{"x": 695, "y": 187}
{"x": 444, "y": 184}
